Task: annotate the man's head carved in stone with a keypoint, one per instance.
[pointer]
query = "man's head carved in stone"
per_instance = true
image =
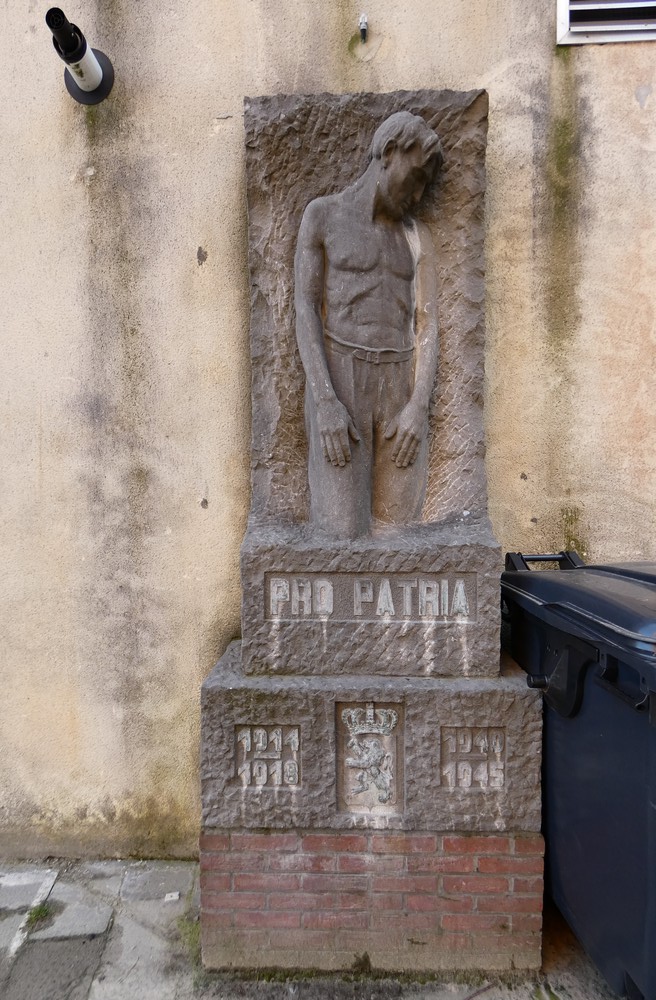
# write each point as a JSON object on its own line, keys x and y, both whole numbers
{"x": 403, "y": 131}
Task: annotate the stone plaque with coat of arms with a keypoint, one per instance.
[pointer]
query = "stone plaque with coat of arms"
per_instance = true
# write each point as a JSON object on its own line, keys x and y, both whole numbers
{"x": 370, "y": 758}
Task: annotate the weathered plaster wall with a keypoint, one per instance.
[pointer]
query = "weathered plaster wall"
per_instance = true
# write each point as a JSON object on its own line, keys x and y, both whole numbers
{"x": 125, "y": 405}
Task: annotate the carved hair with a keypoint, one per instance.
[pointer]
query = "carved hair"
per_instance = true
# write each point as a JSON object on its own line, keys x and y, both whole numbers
{"x": 404, "y": 130}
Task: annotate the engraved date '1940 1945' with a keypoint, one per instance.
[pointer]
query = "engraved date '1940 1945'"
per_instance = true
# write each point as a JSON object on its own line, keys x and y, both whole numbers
{"x": 473, "y": 758}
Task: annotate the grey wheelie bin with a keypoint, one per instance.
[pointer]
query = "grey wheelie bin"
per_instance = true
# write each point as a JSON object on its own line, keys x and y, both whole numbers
{"x": 586, "y": 635}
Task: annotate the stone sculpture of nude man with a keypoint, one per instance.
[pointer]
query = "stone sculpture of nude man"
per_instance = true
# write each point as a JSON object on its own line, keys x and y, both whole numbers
{"x": 366, "y": 325}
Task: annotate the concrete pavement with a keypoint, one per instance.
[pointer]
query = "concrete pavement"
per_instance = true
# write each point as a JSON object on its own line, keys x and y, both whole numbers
{"x": 128, "y": 930}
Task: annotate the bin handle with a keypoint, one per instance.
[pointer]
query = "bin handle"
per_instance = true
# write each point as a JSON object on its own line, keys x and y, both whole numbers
{"x": 604, "y": 679}
{"x": 567, "y": 559}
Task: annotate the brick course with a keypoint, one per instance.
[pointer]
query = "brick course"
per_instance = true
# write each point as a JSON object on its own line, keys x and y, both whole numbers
{"x": 411, "y": 901}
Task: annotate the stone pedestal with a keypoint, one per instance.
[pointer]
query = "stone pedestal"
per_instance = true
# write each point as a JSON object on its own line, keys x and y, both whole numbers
{"x": 397, "y": 816}
{"x": 371, "y": 782}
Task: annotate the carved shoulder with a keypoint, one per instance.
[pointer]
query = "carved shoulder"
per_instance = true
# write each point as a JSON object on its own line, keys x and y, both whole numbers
{"x": 312, "y": 230}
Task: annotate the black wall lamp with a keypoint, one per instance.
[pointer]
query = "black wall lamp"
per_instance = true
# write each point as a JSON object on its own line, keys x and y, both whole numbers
{"x": 89, "y": 75}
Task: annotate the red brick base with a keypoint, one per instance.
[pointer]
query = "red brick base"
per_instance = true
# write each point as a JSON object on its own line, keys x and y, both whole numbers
{"x": 411, "y": 901}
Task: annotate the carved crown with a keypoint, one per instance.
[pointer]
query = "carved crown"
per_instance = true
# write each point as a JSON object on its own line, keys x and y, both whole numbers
{"x": 360, "y": 720}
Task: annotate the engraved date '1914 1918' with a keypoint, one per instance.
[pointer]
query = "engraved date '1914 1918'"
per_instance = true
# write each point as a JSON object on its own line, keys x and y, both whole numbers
{"x": 268, "y": 756}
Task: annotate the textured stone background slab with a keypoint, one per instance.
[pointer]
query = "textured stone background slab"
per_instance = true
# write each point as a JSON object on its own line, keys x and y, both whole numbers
{"x": 397, "y": 647}
{"x": 231, "y": 699}
{"x": 300, "y": 147}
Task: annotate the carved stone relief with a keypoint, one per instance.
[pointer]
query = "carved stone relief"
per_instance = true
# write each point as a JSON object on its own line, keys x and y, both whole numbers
{"x": 303, "y": 148}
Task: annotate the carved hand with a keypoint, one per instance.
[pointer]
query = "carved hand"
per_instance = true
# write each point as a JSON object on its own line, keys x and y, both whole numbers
{"x": 335, "y": 427}
{"x": 409, "y": 426}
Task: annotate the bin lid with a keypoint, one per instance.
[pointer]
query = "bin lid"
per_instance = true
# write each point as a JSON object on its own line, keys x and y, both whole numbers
{"x": 610, "y": 606}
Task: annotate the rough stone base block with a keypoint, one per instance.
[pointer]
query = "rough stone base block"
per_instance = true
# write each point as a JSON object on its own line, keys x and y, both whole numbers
{"x": 420, "y": 902}
{"x": 408, "y": 753}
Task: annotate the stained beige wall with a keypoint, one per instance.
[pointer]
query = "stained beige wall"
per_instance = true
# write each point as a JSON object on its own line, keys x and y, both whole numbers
{"x": 125, "y": 378}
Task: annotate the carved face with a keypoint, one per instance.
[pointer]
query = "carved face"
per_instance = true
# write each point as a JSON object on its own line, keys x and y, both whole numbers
{"x": 403, "y": 180}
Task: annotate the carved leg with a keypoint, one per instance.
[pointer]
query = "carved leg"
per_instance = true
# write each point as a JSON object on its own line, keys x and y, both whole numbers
{"x": 340, "y": 498}
{"x": 397, "y": 494}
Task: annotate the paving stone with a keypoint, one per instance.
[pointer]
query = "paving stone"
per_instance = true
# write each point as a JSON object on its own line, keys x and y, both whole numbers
{"x": 10, "y": 921}
{"x": 155, "y": 879}
{"x": 18, "y": 889}
{"x": 69, "y": 890}
{"x": 108, "y": 889}
{"x": 22, "y": 888}
{"x": 76, "y": 920}
{"x": 137, "y": 964}
{"x": 102, "y": 878}
{"x": 78, "y": 912}
{"x": 156, "y": 913}
{"x": 54, "y": 970}
{"x": 102, "y": 869}
{"x": 30, "y": 868}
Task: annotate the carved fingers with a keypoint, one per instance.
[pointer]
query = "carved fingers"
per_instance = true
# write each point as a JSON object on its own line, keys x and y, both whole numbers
{"x": 408, "y": 429}
{"x": 335, "y": 428}
{"x": 406, "y": 453}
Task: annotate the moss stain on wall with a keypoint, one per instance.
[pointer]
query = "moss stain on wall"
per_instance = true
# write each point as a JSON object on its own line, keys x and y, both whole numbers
{"x": 126, "y": 611}
{"x": 118, "y": 476}
{"x": 572, "y": 531}
{"x": 561, "y": 216}
{"x": 563, "y": 182}
{"x": 159, "y": 825}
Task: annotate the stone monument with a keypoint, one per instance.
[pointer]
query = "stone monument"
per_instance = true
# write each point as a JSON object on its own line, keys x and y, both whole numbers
{"x": 370, "y": 778}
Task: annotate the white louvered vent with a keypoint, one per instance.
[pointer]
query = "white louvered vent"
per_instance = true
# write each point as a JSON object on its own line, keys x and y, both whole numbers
{"x": 585, "y": 21}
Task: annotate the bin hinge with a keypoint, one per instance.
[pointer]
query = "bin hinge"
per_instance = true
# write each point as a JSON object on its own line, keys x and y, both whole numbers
{"x": 563, "y": 684}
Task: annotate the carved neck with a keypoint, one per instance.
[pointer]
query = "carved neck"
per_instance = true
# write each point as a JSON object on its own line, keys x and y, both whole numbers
{"x": 368, "y": 193}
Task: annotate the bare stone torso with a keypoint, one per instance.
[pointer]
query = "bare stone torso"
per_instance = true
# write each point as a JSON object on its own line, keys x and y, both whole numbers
{"x": 368, "y": 280}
